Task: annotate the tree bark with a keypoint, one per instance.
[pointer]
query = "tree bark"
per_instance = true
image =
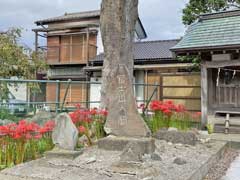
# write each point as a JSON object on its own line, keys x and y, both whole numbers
{"x": 118, "y": 19}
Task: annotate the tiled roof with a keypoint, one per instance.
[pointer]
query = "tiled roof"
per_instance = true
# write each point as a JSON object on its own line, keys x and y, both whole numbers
{"x": 212, "y": 31}
{"x": 70, "y": 16}
{"x": 147, "y": 50}
{"x": 84, "y": 15}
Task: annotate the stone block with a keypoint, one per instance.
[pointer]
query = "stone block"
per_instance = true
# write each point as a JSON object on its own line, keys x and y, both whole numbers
{"x": 112, "y": 143}
{"x": 65, "y": 133}
{"x": 177, "y": 137}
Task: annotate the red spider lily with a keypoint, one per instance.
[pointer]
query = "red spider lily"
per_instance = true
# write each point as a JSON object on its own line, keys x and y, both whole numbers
{"x": 180, "y": 108}
{"x": 48, "y": 127}
{"x": 82, "y": 129}
{"x": 104, "y": 112}
{"x": 86, "y": 119}
{"x": 16, "y": 136}
{"x": 86, "y": 116}
{"x": 196, "y": 115}
{"x": 78, "y": 106}
{"x": 167, "y": 112}
{"x": 74, "y": 117}
{"x": 170, "y": 102}
{"x": 4, "y": 130}
{"x": 93, "y": 111}
{"x": 28, "y": 136}
{"x": 32, "y": 127}
{"x": 43, "y": 130}
{"x": 38, "y": 136}
{"x": 167, "y": 107}
{"x": 155, "y": 105}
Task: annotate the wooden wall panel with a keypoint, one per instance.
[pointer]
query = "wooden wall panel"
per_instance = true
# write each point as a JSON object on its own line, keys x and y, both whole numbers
{"x": 65, "y": 50}
{"x": 92, "y": 46}
{"x": 76, "y": 93}
{"x": 93, "y": 39}
{"x": 78, "y": 50}
{"x": 53, "y": 43}
{"x": 182, "y": 88}
{"x": 192, "y": 92}
{"x": 51, "y": 94}
{"x": 182, "y": 80}
{"x": 152, "y": 79}
{"x": 71, "y": 48}
{"x": 185, "y": 90}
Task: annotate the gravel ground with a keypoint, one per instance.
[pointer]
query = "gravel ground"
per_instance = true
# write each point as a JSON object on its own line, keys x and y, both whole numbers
{"x": 219, "y": 170}
{"x": 177, "y": 162}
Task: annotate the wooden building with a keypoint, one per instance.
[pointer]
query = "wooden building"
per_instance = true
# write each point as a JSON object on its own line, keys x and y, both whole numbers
{"x": 71, "y": 41}
{"x": 154, "y": 64}
{"x": 215, "y": 38}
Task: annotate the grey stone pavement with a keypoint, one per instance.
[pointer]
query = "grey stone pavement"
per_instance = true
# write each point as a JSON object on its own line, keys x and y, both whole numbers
{"x": 233, "y": 173}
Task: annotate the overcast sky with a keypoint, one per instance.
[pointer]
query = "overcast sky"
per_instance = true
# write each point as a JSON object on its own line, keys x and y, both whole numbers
{"x": 161, "y": 18}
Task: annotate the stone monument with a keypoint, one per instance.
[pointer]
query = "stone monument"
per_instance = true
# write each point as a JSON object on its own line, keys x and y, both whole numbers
{"x": 118, "y": 19}
{"x": 124, "y": 125}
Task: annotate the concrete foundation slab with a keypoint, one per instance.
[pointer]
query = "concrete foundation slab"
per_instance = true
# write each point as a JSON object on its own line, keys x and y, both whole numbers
{"x": 112, "y": 143}
{"x": 61, "y": 153}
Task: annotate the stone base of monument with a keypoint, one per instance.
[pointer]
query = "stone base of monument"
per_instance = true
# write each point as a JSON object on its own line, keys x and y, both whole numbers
{"x": 63, "y": 154}
{"x": 113, "y": 143}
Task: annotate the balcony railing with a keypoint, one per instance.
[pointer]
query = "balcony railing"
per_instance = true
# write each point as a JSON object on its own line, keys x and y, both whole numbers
{"x": 69, "y": 54}
{"x": 67, "y": 71}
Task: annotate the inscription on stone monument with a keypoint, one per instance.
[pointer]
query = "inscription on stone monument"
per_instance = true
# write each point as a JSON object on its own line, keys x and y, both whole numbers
{"x": 122, "y": 98}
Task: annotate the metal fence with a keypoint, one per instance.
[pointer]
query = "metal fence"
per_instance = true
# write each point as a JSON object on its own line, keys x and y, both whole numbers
{"x": 26, "y": 97}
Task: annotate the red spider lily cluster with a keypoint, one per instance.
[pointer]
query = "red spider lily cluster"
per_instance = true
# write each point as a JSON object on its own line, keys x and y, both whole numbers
{"x": 87, "y": 120}
{"x": 26, "y": 130}
{"x": 167, "y": 114}
{"x": 24, "y": 141}
{"x": 167, "y": 107}
{"x": 86, "y": 116}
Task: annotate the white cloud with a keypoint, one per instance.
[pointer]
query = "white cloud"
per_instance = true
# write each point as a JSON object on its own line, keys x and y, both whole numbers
{"x": 161, "y": 18}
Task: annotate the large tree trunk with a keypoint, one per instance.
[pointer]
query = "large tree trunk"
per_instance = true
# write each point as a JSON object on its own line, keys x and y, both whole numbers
{"x": 118, "y": 19}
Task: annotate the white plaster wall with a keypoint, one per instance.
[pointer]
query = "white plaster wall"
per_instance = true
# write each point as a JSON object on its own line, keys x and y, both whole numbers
{"x": 139, "y": 90}
{"x": 19, "y": 91}
{"x": 99, "y": 42}
{"x": 95, "y": 94}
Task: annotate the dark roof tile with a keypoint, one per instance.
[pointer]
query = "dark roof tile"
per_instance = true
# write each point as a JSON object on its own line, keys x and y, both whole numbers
{"x": 147, "y": 50}
{"x": 70, "y": 16}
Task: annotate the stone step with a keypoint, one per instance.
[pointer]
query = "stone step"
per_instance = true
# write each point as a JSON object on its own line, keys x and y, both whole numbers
{"x": 233, "y": 129}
